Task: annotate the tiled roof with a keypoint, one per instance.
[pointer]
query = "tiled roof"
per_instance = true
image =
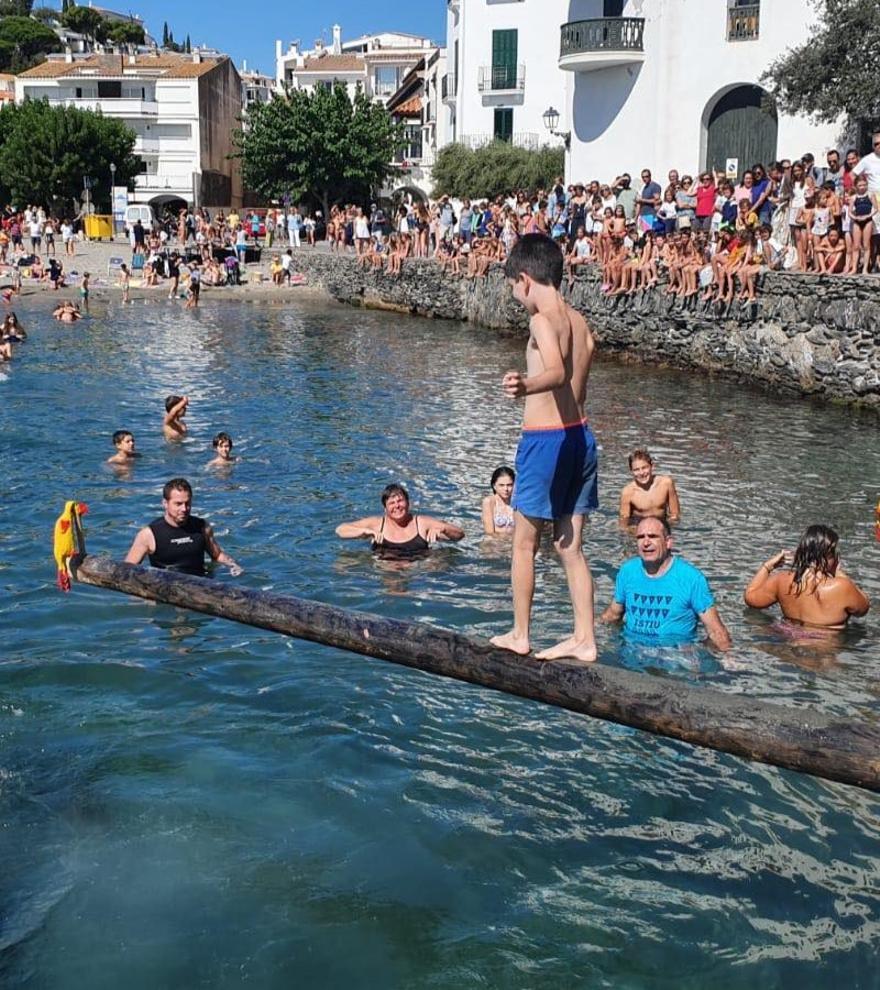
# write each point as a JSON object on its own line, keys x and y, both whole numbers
{"x": 409, "y": 108}
{"x": 172, "y": 66}
{"x": 333, "y": 63}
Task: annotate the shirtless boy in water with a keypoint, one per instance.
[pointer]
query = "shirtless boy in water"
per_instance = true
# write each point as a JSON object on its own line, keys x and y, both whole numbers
{"x": 173, "y": 425}
{"x": 223, "y": 445}
{"x": 556, "y": 468}
{"x": 123, "y": 441}
{"x": 648, "y": 494}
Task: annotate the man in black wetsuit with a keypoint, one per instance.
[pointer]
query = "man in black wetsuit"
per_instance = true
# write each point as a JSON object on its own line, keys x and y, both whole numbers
{"x": 178, "y": 541}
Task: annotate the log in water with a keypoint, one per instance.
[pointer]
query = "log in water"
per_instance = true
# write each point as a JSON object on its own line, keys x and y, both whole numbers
{"x": 796, "y": 739}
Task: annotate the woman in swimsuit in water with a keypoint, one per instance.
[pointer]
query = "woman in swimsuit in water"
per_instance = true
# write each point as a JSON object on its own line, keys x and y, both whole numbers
{"x": 398, "y": 533}
{"x": 497, "y": 510}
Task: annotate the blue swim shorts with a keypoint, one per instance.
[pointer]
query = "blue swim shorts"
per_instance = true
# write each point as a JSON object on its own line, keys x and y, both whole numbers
{"x": 556, "y": 473}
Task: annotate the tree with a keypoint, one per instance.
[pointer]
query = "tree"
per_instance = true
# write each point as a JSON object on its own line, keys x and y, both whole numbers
{"x": 46, "y": 151}
{"x": 320, "y": 143}
{"x": 16, "y": 8}
{"x": 126, "y": 33}
{"x": 187, "y": 46}
{"x": 24, "y": 41}
{"x": 495, "y": 169}
{"x": 835, "y": 71}
{"x": 45, "y": 14}
{"x": 165, "y": 35}
{"x": 86, "y": 21}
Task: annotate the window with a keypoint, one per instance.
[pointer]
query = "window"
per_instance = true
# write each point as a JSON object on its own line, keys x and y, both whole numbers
{"x": 385, "y": 80}
{"x": 109, "y": 90}
{"x": 613, "y": 8}
{"x": 504, "y": 45}
{"x": 503, "y": 130}
{"x": 743, "y": 20}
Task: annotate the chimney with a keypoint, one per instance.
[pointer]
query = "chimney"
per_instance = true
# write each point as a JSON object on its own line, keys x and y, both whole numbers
{"x": 197, "y": 56}
{"x": 244, "y": 65}
{"x": 132, "y": 60}
{"x": 68, "y": 53}
{"x": 337, "y": 39}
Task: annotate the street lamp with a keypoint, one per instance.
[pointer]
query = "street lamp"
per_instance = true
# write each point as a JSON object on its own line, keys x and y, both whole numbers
{"x": 551, "y": 122}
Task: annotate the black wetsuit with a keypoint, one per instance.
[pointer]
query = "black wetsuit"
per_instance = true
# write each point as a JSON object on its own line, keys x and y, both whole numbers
{"x": 415, "y": 546}
{"x": 180, "y": 548}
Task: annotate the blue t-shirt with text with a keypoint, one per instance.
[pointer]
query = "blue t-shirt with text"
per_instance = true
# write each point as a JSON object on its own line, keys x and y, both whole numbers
{"x": 666, "y": 607}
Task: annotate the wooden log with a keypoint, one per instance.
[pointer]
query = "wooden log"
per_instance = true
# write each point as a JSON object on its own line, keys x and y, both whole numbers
{"x": 798, "y": 739}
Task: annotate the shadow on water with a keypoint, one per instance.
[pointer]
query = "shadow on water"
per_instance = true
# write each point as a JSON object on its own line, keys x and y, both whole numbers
{"x": 191, "y": 802}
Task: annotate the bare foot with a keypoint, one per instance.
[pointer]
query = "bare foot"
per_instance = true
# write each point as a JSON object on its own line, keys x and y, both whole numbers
{"x": 578, "y": 649}
{"x": 511, "y": 641}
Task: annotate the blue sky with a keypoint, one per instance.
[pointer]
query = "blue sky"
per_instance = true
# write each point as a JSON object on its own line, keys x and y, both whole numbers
{"x": 249, "y": 30}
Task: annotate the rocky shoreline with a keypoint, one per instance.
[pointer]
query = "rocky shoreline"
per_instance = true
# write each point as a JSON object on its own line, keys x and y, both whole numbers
{"x": 811, "y": 335}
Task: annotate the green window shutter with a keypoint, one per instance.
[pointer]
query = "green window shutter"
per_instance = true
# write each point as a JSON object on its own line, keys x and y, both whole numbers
{"x": 504, "y": 52}
{"x": 503, "y": 124}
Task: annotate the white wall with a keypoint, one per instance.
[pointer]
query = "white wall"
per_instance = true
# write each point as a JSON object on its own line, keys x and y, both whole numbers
{"x": 654, "y": 115}
{"x": 537, "y": 22}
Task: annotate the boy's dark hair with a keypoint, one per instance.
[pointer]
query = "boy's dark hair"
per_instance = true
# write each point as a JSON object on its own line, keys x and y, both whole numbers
{"x": 120, "y": 435}
{"x": 171, "y": 402}
{"x": 222, "y": 438}
{"x": 176, "y": 485}
{"x": 538, "y": 257}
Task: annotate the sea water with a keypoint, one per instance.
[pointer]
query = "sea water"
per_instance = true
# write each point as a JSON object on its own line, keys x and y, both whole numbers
{"x": 187, "y": 802}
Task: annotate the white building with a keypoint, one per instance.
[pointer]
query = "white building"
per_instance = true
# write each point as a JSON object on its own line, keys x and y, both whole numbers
{"x": 502, "y": 69}
{"x": 255, "y": 86}
{"x": 675, "y": 84}
{"x": 377, "y": 63}
{"x": 182, "y": 108}
{"x": 417, "y": 105}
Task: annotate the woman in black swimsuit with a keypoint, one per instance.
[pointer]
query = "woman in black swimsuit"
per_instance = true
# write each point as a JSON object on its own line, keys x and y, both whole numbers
{"x": 398, "y": 534}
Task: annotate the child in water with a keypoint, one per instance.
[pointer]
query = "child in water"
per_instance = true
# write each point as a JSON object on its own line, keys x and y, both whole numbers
{"x": 497, "y": 511}
{"x": 123, "y": 441}
{"x": 173, "y": 425}
{"x": 648, "y": 494}
{"x": 223, "y": 445}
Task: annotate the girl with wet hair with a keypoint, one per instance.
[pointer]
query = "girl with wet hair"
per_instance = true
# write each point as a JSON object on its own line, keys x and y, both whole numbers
{"x": 809, "y": 585}
{"x": 497, "y": 511}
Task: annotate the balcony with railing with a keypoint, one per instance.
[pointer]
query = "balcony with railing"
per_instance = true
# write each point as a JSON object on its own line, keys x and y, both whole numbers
{"x": 448, "y": 88}
{"x": 743, "y": 21}
{"x": 602, "y": 43}
{"x": 519, "y": 139}
{"x": 162, "y": 182}
{"x": 115, "y": 106}
{"x": 502, "y": 79}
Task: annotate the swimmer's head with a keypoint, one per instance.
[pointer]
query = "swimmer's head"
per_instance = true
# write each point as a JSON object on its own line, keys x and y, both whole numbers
{"x": 176, "y": 485}
{"x": 393, "y": 489}
{"x": 120, "y": 436}
{"x": 641, "y": 465}
{"x": 817, "y": 552}
{"x": 171, "y": 401}
{"x": 222, "y": 440}
{"x": 503, "y": 476}
{"x": 536, "y": 258}
{"x": 640, "y": 454}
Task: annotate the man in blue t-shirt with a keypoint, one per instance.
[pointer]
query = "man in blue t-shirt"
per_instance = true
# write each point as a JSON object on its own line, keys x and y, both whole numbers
{"x": 660, "y": 597}
{"x": 648, "y": 200}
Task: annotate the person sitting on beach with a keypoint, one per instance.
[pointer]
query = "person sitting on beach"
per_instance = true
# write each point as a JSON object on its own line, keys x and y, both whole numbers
{"x": 11, "y": 331}
{"x": 123, "y": 441}
{"x": 809, "y": 585}
{"x": 178, "y": 541}
{"x": 648, "y": 494}
{"x": 222, "y": 443}
{"x": 497, "y": 511}
{"x": 67, "y": 312}
{"x": 173, "y": 425}
{"x": 659, "y": 596}
{"x": 398, "y": 533}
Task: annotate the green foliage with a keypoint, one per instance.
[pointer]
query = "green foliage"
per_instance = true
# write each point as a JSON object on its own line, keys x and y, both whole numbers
{"x": 86, "y": 21}
{"x": 16, "y": 8}
{"x": 321, "y": 144}
{"x": 494, "y": 170}
{"x": 45, "y": 151}
{"x": 835, "y": 71}
{"x": 23, "y": 42}
{"x": 126, "y": 33}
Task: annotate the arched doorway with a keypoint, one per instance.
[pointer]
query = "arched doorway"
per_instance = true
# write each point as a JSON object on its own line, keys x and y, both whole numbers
{"x": 742, "y": 125}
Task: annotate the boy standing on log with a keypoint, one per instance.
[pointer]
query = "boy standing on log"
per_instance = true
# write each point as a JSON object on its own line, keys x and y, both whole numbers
{"x": 556, "y": 466}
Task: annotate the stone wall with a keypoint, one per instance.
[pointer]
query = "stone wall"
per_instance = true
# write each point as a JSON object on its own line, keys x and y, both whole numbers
{"x": 808, "y": 334}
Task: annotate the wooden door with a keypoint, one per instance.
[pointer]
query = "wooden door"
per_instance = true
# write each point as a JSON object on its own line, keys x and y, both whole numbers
{"x": 742, "y": 125}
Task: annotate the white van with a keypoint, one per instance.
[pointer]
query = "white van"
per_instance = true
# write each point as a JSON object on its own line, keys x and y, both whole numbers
{"x": 142, "y": 212}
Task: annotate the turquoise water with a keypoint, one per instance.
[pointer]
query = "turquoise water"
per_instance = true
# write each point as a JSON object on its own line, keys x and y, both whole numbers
{"x": 186, "y": 802}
